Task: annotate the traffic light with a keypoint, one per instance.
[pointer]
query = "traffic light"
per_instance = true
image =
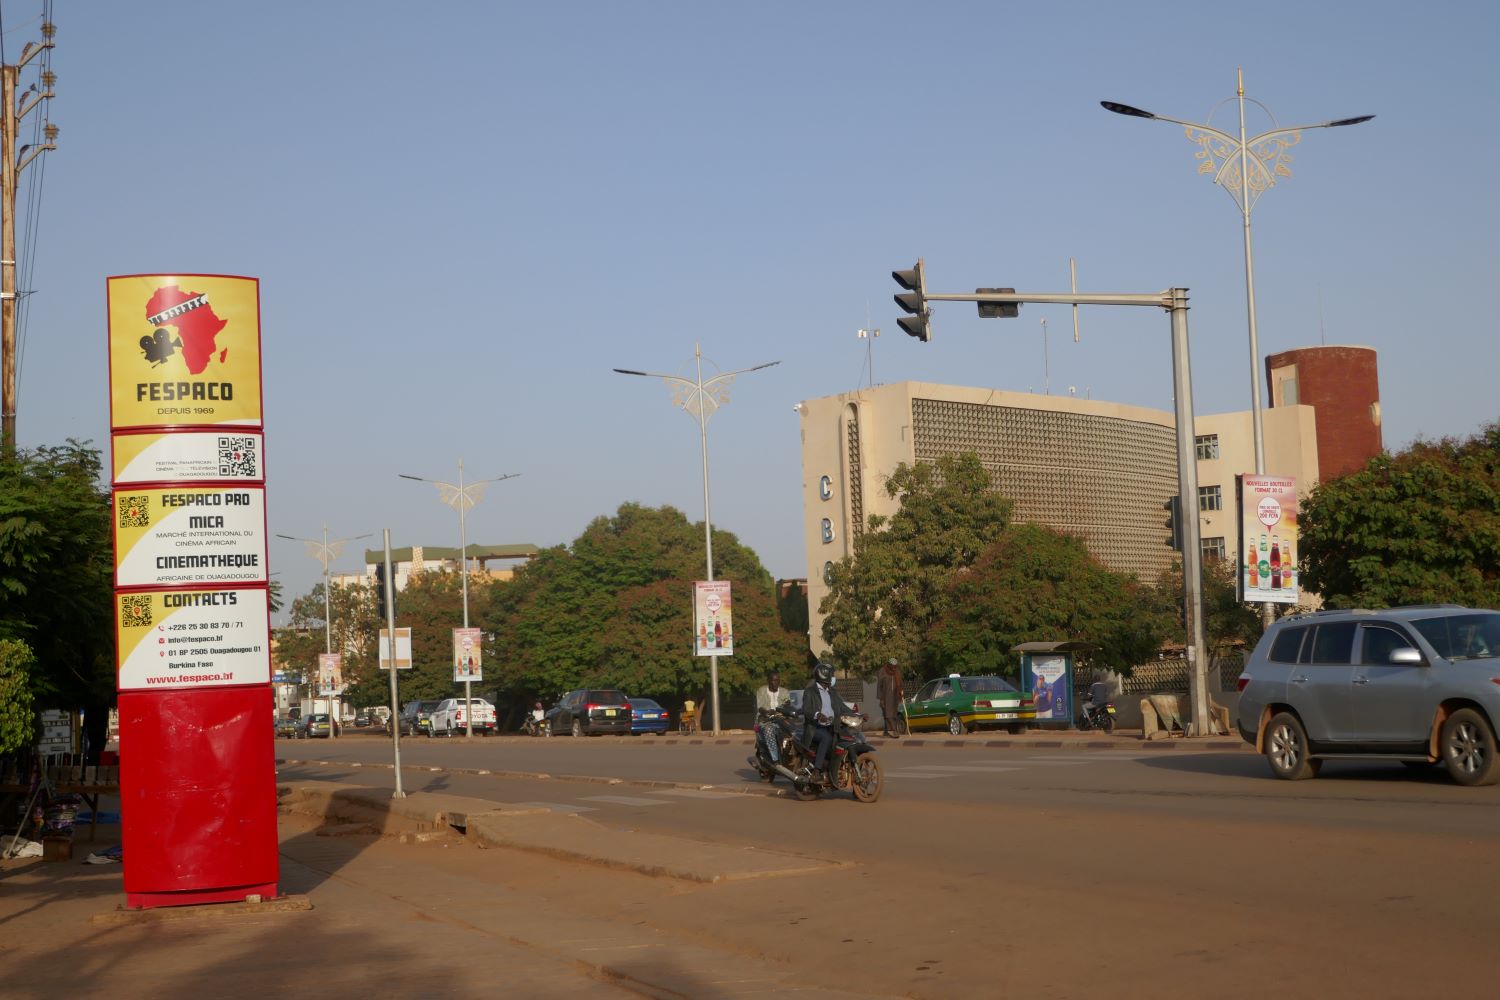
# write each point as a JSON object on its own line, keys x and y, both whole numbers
{"x": 914, "y": 301}
{"x": 1173, "y": 523}
{"x": 380, "y": 592}
{"x": 998, "y": 310}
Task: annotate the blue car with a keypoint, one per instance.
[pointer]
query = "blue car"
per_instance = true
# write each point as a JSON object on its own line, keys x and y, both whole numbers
{"x": 646, "y": 716}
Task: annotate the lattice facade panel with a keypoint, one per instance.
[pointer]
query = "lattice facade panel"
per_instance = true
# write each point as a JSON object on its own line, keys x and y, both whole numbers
{"x": 856, "y": 484}
{"x": 1103, "y": 479}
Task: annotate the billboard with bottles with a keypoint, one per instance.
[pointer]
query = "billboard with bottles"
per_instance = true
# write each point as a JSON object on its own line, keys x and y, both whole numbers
{"x": 1268, "y": 530}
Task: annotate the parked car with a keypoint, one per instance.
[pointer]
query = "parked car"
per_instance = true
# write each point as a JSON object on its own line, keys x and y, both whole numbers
{"x": 1414, "y": 684}
{"x": 646, "y": 716}
{"x": 416, "y": 718}
{"x": 589, "y": 712}
{"x": 962, "y": 704}
{"x": 286, "y": 728}
{"x": 449, "y": 717}
{"x": 315, "y": 726}
{"x": 361, "y": 721}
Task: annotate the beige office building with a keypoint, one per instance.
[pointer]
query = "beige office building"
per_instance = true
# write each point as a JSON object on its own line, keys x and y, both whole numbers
{"x": 1102, "y": 471}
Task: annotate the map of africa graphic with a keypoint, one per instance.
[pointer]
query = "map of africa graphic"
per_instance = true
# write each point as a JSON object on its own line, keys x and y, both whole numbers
{"x": 196, "y": 324}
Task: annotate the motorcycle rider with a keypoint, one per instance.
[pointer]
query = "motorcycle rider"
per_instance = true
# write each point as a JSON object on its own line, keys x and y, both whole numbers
{"x": 821, "y": 707}
{"x": 769, "y": 701}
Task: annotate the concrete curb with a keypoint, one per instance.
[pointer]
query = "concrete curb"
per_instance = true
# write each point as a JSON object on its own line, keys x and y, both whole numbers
{"x": 540, "y": 831}
{"x": 206, "y": 911}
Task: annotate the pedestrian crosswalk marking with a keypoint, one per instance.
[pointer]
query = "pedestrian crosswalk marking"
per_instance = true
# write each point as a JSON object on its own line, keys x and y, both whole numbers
{"x": 558, "y": 807}
{"x": 624, "y": 800}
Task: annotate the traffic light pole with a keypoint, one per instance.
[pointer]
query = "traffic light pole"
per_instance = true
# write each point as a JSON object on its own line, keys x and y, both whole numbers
{"x": 1175, "y": 302}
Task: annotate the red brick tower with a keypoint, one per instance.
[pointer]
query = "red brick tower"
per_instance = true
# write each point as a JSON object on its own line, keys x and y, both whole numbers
{"x": 1342, "y": 386}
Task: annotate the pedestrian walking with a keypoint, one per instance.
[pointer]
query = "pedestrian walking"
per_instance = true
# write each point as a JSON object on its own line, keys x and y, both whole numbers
{"x": 889, "y": 691}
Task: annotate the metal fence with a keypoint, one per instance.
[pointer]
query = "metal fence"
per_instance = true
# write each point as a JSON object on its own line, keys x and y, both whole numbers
{"x": 1168, "y": 676}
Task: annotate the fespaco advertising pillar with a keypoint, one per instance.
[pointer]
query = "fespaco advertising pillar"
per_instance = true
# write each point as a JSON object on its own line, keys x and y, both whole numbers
{"x": 192, "y": 618}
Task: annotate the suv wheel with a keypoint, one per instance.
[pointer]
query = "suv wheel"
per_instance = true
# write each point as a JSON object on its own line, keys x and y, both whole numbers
{"x": 577, "y": 727}
{"x": 1468, "y": 745}
{"x": 1286, "y": 749}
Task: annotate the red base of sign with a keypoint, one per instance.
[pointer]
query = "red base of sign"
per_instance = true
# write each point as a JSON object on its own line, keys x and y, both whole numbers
{"x": 147, "y": 900}
{"x": 198, "y": 795}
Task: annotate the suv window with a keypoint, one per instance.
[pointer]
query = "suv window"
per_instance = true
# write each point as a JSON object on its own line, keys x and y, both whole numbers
{"x": 1284, "y": 649}
{"x": 1462, "y": 637}
{"x": 606, "y": 697}
{"x": 1332, "y": 642}
{"x": 1378, "y": 642}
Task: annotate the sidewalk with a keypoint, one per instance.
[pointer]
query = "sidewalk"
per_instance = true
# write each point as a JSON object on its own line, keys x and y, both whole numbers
{"x": 437, "y": 915}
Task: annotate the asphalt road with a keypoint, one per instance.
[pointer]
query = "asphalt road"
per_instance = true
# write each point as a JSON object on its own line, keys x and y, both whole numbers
{"x": 1035, "y": 872}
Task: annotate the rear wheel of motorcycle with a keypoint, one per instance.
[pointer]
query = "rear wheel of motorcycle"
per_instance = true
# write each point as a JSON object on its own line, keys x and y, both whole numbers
{"x": 1107, "y": 723}
{"x": 869, "y": 778}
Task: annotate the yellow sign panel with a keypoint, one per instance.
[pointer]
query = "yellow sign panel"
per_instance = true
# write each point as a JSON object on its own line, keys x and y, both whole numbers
{"x": 184, "y": 350}
{"x": 192, "y": 638}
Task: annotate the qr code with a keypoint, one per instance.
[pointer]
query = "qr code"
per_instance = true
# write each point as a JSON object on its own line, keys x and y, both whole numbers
{"x": 135, "y": 511}
{"x": 135, "y": 610}
{"x": 237, "y": 458}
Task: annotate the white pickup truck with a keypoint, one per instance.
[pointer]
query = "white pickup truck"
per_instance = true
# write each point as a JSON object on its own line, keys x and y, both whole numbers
{"x": 450, "y": 717}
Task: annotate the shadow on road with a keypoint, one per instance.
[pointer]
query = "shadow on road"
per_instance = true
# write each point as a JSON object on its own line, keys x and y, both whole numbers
{"x": 1251, "y": 766}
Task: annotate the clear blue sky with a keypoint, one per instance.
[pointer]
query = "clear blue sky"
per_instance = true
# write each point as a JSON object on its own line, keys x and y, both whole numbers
{"x": 464, "y": 215}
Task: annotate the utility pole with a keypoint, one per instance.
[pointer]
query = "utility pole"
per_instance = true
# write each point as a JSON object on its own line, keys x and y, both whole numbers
{"x": 10, "y": 172}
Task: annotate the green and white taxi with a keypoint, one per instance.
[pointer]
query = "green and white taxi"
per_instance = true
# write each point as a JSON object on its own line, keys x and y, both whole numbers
{"x": 961, "y": 704}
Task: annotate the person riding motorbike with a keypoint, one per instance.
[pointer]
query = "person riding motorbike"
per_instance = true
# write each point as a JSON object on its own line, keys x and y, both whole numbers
{"x": 821, "y": 708}
{"x": 770, "y": 701}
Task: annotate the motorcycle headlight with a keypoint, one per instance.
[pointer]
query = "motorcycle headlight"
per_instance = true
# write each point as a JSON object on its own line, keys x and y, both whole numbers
{"x": 852, "y": 721}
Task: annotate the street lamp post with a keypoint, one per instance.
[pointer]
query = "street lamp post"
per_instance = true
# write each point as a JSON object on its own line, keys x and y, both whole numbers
{"x": 326, "y": 552}
{"x": 702, "y": 400}
{"x": 461, "y": 498}
{"x": 1246, "y": 169}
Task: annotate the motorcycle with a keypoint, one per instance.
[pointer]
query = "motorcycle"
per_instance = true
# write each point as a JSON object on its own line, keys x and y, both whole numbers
{"x": 1096, "y": 713}
{"x": 852, "y": 766}
{"x": 536, "y": 722}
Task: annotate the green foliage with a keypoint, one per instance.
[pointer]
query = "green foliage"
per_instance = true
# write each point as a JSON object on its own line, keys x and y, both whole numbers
{"x": 791, "y": 609}
{"x": 1418, "y": 527}
{"x": 885, "y": 599}
{"x": 57, "y": 571}
{"x": 1034, "y": 584}
{"x": 1228, "y": 623}
{"x": 615, "y": 608}
{"x": 17, "y": 721}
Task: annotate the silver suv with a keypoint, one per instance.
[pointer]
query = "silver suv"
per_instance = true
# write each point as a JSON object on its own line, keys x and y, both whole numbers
{"x": 1416, "y": 684}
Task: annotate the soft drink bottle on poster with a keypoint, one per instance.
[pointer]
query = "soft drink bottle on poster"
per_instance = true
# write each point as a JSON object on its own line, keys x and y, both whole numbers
{"x": 1265, "y": 562}
{"x": 1254, "y": 561}
{"x": 1275, "y": 563}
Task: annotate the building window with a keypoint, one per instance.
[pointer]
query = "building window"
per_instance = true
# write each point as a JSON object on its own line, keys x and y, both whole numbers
{"x": 1210, "y": 498}
{"x": 827, "y": 531}
{"x": 1213, "y": 549}
{"x": 1208, "y": 447}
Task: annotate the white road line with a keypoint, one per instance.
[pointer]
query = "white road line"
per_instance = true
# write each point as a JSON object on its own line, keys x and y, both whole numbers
{"x": 558, "y": 807}
{"x": 624, "y": 800}
{"x": 698, "y": 793}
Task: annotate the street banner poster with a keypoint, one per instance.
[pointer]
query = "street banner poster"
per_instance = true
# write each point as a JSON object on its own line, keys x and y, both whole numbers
{"x": 192, "y": 638}
{"x": 1049, "y": 687}
{"x": 403, "y": 649}
{"x": 189, "y": 457}
{"x": 712, "y": 618}
{"x": 468, "y": 661}
{"x": 184, "y": 350}
{"x": 330, "y": 674}
{"x": 190, "y": 535}
{"x": 1268, "y": 524}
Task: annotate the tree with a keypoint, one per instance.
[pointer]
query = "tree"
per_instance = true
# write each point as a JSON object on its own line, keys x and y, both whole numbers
{"x": 614, "y": 608}
{"x": 57, "y": 574}
{"x": 1034, "y": 584}
{"x": 1228, "y": 622}
{"x": 884, "y": 600}
{"x": 17, "y": 721}
{"x": 302, "y": 639}
{"x": 1418, "y": 527}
